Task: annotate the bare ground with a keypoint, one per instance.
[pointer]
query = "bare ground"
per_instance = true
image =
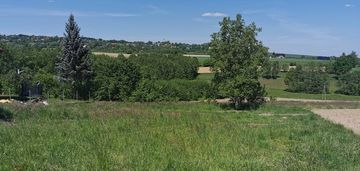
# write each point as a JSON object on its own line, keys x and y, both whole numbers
{"x": 204, "y": 70}
{"x": 349, "y": 118}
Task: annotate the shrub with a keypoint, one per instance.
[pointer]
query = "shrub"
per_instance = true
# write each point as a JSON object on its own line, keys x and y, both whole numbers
{"x": 312, "y": 82}
{"x": 172, "y": 90}
{"x": 5, "y": 114}
{"x": 349, "y": 84}
{"x": 166, "y": 67}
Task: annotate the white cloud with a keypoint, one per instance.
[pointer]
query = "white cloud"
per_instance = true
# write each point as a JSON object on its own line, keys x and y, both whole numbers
{"x": 214, "y": 14}
{"x": 349, "y": 5}
{"x": 51, "y": 1}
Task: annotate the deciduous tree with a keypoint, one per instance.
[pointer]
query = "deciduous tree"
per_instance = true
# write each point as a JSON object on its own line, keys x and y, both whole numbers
{"x": 345, "y": 63}
{"x": 237, "y": 57}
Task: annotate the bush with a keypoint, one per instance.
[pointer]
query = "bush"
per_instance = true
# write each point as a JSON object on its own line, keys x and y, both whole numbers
{"x": 312, "y": 82}
{"x": 166, "y": 67}
{"x": 172, "y": 90}
{"x": 349, "y": 84}
{"x": 271, "y": 70}
{"x": 115, "y": 79}
{"x": 5, "y": 114}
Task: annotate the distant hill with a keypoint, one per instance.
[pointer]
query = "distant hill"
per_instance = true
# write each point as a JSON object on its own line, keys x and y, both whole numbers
{"x": 113, "y": 46}
{"x": 121, "y": 46}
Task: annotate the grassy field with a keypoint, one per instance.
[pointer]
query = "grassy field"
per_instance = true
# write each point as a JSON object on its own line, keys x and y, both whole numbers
{"x": 299, "y": 61}
{"x": 167, "y": 136}
{"x": 276, "y": 88}
{"x": 203, "y": 58}
{"x": 282, "y": 61}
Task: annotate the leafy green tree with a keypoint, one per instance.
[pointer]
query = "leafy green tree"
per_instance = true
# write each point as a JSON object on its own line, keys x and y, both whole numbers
{"x": 345, "y": 63}
{"x": 166, "y": 67}
{"x": 172, "y": 90}
{"x": 266, "y": 70}
{"x": 275, "y": 70}
{"x": 349, "y": 84}
{"x": 314, "y": 82}
{"x": 271, "y": 70}
{"x": 237, "y": 56}
{"x": 206, "y": 63}
{"x": 115, "y": 79}
{"x": 285, "y": 67}
{"x": 21, "y": 80}
{"x": 7, "y": 60}
{"x": 74, "y": 64}
{"x": 50, "y": 85}
{"x": 1, "y": 85}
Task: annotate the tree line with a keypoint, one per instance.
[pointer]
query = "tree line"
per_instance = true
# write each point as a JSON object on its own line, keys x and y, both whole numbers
{"x": 238, "y": 59}
{"x": 115, "y": 46}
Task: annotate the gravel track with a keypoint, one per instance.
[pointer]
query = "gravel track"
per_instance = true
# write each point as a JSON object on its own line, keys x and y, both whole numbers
{"x": 349, "y": 118}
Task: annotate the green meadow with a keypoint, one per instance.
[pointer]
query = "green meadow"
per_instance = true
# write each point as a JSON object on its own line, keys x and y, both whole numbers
{"x": 75, "y": 135}
{"x": 276, "y": 88}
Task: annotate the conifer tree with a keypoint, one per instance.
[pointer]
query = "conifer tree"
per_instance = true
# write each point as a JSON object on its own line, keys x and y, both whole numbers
{"x": 74, "y": 64}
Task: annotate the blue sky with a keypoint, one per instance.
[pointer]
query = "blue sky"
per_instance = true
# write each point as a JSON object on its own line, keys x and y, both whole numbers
{"x": 315, "y": 27}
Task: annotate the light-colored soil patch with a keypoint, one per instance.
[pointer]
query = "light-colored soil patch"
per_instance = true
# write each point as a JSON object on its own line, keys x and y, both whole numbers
{"x": 204, "y": 70}
{"x": 113, "y": 55}
{"x": 294, "y": 114}
{"x": 350, "y": 118}
{"x": 314, "y": 100}
{"x": 198, "y": 56}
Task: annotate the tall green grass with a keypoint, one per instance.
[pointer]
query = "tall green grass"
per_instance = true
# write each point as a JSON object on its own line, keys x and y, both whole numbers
{"x": 165, "y": 136}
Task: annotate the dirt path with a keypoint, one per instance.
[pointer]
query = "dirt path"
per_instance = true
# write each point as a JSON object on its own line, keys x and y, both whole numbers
{"x": 350, "y": 118}
{"x": 298, "y": 100}
{"x": 314, "y": 100}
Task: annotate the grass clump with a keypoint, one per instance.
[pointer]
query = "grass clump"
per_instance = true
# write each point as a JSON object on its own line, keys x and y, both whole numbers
{"x": 5, "y": 114}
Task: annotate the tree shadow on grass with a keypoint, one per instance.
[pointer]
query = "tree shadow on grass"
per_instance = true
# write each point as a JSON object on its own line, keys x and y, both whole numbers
{"x": 242, "y": 106}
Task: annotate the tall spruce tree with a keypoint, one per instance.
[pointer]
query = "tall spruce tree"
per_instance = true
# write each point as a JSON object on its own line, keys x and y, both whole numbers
{"x": 238, "y": 57}
{"x": 74, "y": 63}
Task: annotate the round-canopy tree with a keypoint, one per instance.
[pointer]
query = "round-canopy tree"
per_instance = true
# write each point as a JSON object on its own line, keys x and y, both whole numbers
{"x": 237, "y": 57}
